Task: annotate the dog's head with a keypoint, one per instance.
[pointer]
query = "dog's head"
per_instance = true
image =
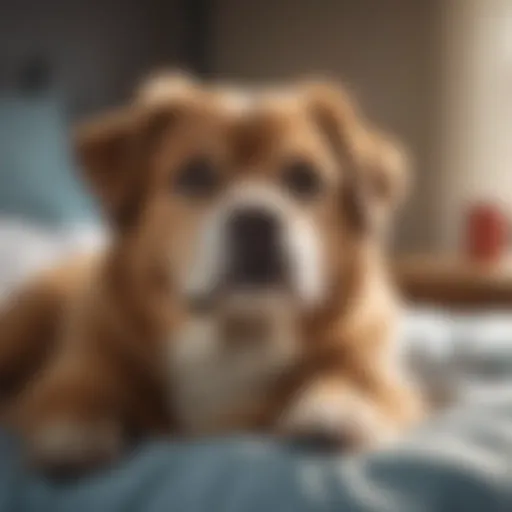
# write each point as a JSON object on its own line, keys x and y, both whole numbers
{"x": 234, "y": 196}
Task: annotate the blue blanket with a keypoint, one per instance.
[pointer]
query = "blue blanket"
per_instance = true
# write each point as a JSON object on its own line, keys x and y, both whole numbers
{"x": 461, "y": 461}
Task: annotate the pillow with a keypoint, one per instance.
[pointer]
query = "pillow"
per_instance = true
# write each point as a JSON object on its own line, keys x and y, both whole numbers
{"x": 37, "y": 176}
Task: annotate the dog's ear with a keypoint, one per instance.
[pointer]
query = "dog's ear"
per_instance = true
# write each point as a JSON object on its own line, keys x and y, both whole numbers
{"x": 388, "y": 171}
{"x": 114, "y": 151}
{"x": 374, "y": 167}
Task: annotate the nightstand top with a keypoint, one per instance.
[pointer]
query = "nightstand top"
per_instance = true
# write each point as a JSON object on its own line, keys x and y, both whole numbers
{"x": 454, "y": 281}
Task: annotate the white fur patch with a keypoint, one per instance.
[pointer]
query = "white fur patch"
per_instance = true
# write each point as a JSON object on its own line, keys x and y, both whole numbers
{"x": 237, "y": 101}
{"x": 164, "y": 87}
{"x": 211, "y": 381}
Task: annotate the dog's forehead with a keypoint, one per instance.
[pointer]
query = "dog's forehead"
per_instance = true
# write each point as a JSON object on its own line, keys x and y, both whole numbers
{"x": 235, "y": 101}
{"x": 280, "y": 123}
{"x": 247, "y": 103}
{"x": 248, "y": 123}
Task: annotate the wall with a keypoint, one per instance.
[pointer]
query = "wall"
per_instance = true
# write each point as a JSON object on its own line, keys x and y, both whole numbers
{"x": 387, "y": 51}
{"x": 435, "y": 72}
{"x": 476, "y": 124}
{"x": 98, "y": 49}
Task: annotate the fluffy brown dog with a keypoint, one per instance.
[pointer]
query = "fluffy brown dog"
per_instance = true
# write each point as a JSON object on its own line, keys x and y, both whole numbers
{"x": 245, "y": 287}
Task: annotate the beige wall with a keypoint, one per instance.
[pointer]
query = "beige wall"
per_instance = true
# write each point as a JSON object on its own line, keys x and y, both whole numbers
{"x": 476, "y": 123}
{"x": 386, "y": 50}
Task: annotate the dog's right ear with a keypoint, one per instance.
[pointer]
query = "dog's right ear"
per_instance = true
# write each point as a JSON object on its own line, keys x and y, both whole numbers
{"x": 114, "y": 149}
{"x": 103, "y": 147}
{"x": 114, "y": 152}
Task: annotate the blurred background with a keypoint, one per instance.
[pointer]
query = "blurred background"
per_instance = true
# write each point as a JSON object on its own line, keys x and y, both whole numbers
{"x": 438, "y": 74}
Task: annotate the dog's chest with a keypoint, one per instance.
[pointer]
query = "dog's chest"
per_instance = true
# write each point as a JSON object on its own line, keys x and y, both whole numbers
{"x": 210, "y": 384}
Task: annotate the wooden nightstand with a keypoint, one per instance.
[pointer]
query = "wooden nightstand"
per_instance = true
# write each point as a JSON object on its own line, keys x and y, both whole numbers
{"x": 455, "y": 282}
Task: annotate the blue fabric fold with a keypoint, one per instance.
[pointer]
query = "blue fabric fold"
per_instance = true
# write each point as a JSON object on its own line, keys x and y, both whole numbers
{"x": 461, "y": 461}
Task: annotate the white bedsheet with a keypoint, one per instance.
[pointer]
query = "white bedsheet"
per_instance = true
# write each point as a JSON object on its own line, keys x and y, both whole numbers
{"x": 460, "y": 357}
{"x": 27, "y": 247}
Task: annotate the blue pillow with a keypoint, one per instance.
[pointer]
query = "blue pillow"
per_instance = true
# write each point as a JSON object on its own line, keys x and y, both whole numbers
{"x": 37, "y": 176}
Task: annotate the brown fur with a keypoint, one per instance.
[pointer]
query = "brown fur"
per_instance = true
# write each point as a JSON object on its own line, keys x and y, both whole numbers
{"x": 84, "y": 343}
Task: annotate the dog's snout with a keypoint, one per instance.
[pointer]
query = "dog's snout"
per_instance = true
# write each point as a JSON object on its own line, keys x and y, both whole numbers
{"x": 253, "y": 226}
{"x": 254, "y": 245}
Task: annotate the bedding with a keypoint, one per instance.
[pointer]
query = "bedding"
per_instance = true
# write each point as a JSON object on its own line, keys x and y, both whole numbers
{"x": 460, "y": 460}
{"x": 38, "y": 179}
{"x": 459, "y": 357}
{"x": 27, "y": 247}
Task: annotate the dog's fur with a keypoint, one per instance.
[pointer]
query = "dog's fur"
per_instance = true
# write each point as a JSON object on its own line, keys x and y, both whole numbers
{"x": 113, "y": 346}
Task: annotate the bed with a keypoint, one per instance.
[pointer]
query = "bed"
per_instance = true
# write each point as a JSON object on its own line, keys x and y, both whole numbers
{"x": 458, "y": 462}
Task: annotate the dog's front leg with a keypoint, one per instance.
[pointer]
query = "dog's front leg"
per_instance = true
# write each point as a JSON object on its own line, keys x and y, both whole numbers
{"x": 333, "y": 411}
{"x": 71, "y": 417}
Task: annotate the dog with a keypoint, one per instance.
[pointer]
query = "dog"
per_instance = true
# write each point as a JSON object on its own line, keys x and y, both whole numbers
{"x": 245, "y": 287}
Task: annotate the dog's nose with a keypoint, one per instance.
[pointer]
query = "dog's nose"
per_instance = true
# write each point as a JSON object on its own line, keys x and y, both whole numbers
{"x": 253, "y": 238}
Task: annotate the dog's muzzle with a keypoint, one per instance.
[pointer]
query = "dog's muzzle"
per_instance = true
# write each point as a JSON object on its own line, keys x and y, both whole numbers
{"x": 257, "y": 242}
{"x": 254, "y": 249}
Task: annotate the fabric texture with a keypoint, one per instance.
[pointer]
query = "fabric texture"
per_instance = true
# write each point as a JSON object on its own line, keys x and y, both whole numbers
{"x": 461, "y": 357}
{"x": 38, "y": 179}
{"x": 27, "y": 247}
{"x": 461, "y": 461}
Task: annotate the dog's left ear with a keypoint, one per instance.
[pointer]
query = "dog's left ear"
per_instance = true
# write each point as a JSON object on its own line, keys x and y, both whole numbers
{"x": 386, "y": 169}
{"x": 374, "y": 167}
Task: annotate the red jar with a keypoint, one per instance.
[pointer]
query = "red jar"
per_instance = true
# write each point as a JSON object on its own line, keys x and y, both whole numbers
{"x": 487, "y": 232}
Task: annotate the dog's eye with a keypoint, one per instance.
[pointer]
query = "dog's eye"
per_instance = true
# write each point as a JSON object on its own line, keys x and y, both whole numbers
{"x": 302, "y": 179}
{"x": 198, "y": 178}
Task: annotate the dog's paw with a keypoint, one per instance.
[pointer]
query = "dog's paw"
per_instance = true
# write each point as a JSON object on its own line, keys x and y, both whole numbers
{"x": 333, "y": 419}
{"x": 64, "y": 448}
